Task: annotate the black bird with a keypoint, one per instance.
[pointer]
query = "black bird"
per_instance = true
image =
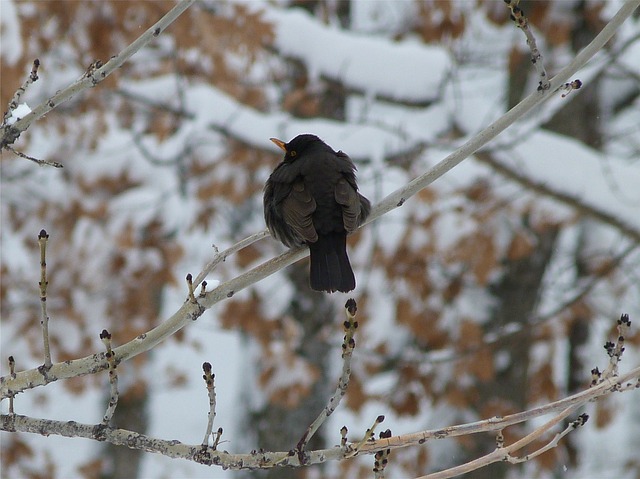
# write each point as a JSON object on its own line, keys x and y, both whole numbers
{"x": 312, "y": 198}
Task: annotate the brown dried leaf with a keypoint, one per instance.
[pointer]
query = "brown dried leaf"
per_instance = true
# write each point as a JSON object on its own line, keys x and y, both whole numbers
{"x": 521, "y": 246}
{"x": 92, "y": 469}
{"x": 541, "y": 384}
{"x": 423, "y": 325}
{"x": 478, "y": 252}
{"x": 604, "y": 413}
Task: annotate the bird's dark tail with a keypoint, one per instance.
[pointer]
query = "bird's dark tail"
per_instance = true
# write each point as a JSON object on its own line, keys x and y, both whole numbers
{"x": 330, "y": 267}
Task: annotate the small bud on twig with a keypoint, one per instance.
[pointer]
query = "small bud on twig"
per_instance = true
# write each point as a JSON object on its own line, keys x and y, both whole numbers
{"x": 43, "y": 237}
{"x": 12, "y": 371}
{"x": 209, "y": 379}
{"x": 191, "y": 297}
{"x": 105, "y": 337}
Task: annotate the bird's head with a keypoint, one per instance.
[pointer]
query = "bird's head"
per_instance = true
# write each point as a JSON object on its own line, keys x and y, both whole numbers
{"x": 299, "y": 145}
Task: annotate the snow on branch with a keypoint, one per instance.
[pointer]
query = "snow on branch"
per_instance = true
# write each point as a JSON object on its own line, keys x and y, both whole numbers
{"x": 349, "y": 58}
{"x": 595, "y": 205}
{"x": 265, "y": 460}
{"x": 252, "y": 127}
{"x": 603, "y": 384}
{"x": 15, "y": 100}
{"x": 16, "y": 111}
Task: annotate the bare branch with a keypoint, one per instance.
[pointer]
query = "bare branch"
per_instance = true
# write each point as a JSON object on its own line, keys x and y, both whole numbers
{"x": 628, "y": 381}
{"x": 92, "y": 77}
{"x": 105, "y": 336}
{"x": 44, "y": 321}
{"x": 354, "y": 449}
{"x": 190, "y": 311}
{"x": 15, "y": 100}
{"x": 12, "y": 372}
{"x": 209, "y": 377}
{"x": 348, "y": 346}
{"x": 221, "y": 257}
{"x": 503, "y": 453}
{"x": 615, "y": 350}
{"x": 53, "y": 163}
{"x": 581, "y": 421}
{"x": 398, "y": 197}
{"x": 518, "y": 16}
{"x": 97, "y": 362}
{"x": 204, "y": 455}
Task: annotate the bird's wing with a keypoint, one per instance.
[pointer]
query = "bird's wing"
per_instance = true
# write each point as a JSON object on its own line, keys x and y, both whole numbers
{"x": 297, "y": 209}
{"x": 348, "y": 198}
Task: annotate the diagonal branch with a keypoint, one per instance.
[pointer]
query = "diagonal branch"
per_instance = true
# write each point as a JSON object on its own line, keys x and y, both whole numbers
{"x": 263, "y": 460}
{"x": 92, "y": 77}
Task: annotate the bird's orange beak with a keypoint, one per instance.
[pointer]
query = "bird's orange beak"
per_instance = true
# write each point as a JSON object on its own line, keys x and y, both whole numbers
{"x": 280, "y": 143}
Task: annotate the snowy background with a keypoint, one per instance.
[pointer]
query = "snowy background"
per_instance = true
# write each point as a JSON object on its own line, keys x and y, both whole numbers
{"x": 490, "y": 292}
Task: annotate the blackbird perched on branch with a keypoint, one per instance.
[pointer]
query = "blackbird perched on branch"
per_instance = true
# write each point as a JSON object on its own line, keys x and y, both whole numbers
{"x": 312, "y": 198}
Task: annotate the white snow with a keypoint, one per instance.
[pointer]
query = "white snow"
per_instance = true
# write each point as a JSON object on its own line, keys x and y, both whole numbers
{"x": 378, "y": 68}
{"x": 404, "y": 70}
{"x": 569, "y": 167}
{"x": 10, "y": 32}
{"x": 18, "y": 113}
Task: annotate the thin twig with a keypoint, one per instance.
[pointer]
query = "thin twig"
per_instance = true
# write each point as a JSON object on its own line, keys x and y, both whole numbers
{"x": 505, "y": 453}
{"x": 381, "y": 458}
{"x": 209, "y": 379}
{"x": 105, "y": 336}
{"x": 221, "y": 257}
{"x": 189, "y": 311}
{"x": 93, "y": 76}
{"x": 615, "y": 350}
{"x": 581, "y": 421}
{"x": 15, "y": 100}
{"x": 44, "y": 319}
{"x": 190, "y": 287}
{"x": 172, "y": 448}
{"x": 368, "y": 437}
{"x": 500, "y": 454}
{"x": 348, "y": 346}
{"x": 53, "y": 163}
{"x": 518, "y": 16}
{"x": 12, "y": 372}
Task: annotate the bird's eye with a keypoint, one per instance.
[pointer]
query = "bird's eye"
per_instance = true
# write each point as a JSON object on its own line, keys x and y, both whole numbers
{"x": 292, "y": 153}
